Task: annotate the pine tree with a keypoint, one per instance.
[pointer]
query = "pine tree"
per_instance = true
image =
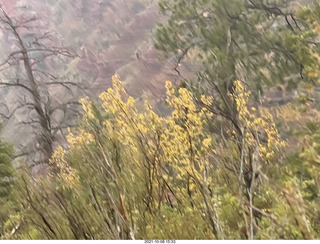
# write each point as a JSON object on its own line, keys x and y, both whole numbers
{"x": 262, "y": 43}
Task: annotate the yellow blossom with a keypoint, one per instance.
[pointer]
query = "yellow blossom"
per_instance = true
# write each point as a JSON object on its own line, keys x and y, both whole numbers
{"x": 66, "y": 173}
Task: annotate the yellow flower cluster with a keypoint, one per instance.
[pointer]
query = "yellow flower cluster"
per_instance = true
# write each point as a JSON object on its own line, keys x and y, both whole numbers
{"x": 86, "y": 105}
{"x": 66, "y": 173}
{"x": 185, "y": 142}
{"x": 241, "y": 97}
{"x": 255, "y": 125}
{"x": 81, "y": 139}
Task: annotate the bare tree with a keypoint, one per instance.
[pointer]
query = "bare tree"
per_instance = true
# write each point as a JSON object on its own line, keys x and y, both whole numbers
{"x": 49, "y": 102}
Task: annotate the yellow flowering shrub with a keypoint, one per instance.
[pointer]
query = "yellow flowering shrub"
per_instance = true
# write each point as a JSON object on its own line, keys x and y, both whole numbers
{"x": 153, "y": 143}
{"x": 142, "y": 164}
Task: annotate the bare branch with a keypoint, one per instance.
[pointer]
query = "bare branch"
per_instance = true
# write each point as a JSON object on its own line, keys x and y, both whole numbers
{"x": 11, "y": 55}
{"x": 64, "y": 83}
{"x": 16, "y": 85}
{"x": 7, "y": 117}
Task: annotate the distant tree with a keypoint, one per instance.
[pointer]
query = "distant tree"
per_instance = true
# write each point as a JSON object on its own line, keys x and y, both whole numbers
{"x": 40, "y": 94}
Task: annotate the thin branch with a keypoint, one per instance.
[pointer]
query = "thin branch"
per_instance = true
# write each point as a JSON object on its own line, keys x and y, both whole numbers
{"x": 16, "y": 85}
{"x": 64, "y": 83}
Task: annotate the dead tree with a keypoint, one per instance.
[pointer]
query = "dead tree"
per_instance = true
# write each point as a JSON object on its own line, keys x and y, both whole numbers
{"x": 40, "y": 94}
